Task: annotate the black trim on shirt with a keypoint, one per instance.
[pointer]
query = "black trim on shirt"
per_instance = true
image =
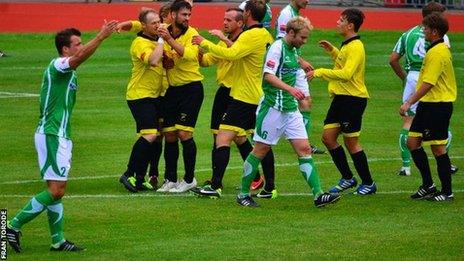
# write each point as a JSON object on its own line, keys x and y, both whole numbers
{"x": 351, "y": 39}
{"x": 255, "y": 26}
{"x": 141, "y": 34}
{"x": 441, "y": 40}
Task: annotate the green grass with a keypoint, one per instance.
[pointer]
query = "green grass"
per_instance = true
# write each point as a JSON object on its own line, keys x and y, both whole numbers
{"x": 114, "y": 225}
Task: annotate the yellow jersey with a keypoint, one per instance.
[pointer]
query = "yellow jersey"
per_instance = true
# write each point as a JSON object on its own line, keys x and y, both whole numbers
{"x": 186, "y": 68}
{"x": 347, "y": 76}
{"x": 224, "y": 71}
{"x": 248, "y": 55}
{"x": 146, "y": 80}
{"x": 136, "y": 26}
{"x": 437, "y": 70}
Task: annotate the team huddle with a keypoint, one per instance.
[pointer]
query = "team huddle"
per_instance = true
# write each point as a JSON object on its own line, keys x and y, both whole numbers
{"x": 263, "y": 91}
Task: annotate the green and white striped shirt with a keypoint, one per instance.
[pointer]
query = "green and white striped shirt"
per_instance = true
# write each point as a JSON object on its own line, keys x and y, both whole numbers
{"x": 57, "y": 98}
{"x": 281, "y": 61}
{"x": 412, "y": 45}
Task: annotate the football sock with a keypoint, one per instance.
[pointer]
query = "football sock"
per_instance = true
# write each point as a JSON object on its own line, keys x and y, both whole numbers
{"x": 268, "y": 171}
{"x": 157, "y": 149}
{"x": 362, "y": 167}
{"x": 171, "y": 155}
{"x": 444, "y": 173}
{"x": 307, "y": 121}
{"x": 422, "y": 163}
{"x": 339, "y": 158}
{"x": 250, "y": 167}
{"x": 189, "y": 152}
{"x": 450, "y": 137}
{"x": 309, "y": 172}
{"x": 245, "y": 149}
{"x": 221, "y": 160}
{"x": 141, "y": 151}
{"x": 55, "y": 221}
{"x": 32, "y": 209}
{"x": 405, "y": 154}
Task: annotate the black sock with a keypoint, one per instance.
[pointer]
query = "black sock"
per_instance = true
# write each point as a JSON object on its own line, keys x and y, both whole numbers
{"x": 362, "y": 167}
{"x": 171, "y": 155}
{"x": 140, "y": 157}
{"x": 189, "y": 152}
{"x": 268, "y": 171}
{"x": 245, "y": 149}
{"x": 213, "y": 150}
{"x": 422, "y": 163}
{"x": 156, "y": 148}
{"x": 221, "y": 159}
{"x": 339, "y": 158}
{"x": 444, "y": 173}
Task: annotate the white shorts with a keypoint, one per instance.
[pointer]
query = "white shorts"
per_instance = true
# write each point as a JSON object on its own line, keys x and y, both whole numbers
{"x": 271, "y": 124}
{"x": 54, "y": 155}
{"x": 410, "y": 89}
{"x": 302, "y": 83}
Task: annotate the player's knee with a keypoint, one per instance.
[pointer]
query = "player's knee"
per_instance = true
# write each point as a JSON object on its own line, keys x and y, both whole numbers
{"x": 303, "y": 151}
{"x": 413, "y": 144}
{"x": 185, "y": 135}
{"x": 150, "y": 137}
{"x": 170, "y": 136}
{"x": 438, "y": 150}
{"x": 57, "y": 192}
{"x": 239, "y": 140}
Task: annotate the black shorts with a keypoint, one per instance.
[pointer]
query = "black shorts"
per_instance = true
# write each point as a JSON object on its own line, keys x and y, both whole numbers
{"x": 222, "y": 100}
{"x": 239, "y": 117}
{"x": 432, "y": 122}
{"x": 181, "y": 105}
{"x": 346, "y": 113}
{"x": 146, "y": 115}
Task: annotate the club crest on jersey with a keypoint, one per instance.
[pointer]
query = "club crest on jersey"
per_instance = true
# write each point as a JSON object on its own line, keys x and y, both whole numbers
{"x": 270, "y": 64}
{"x": 72, "y": 86}
{"x": 282, "y": 27}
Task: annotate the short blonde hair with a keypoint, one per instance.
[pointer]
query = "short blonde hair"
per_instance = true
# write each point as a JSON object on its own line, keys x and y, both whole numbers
{"x": 298, "y": 23}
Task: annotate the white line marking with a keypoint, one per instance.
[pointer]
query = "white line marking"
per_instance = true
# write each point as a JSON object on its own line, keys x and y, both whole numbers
{"x": 17, "y": 95}
{"x": 185, "y": 195}
{"x": 206, "y": 170}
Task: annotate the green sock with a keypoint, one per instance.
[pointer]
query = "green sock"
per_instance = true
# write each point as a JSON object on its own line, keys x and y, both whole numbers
{"x": 450, "y": 137}
{"x": 307, "y": 121}
{"x": 250, "y": 167}
{"x": 32, "y": 209}
{"x": 55, "y": 222}
{"x": 405, "y": 153}
{"x": 309, "y": 171}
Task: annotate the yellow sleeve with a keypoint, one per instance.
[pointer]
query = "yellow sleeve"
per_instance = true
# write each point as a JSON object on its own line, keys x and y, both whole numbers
{"x": 239, "y": 49}
{"x": 353, "y": 60}
{"x": 433, "y": 66}
{"x": 208, "y": 59}
{"x": 334, "y": 53}
{"x": 142, "y": 51}
{"x": 136, "y": 26}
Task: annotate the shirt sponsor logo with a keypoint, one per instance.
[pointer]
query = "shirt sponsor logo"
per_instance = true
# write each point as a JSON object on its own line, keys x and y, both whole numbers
{"x": 270, "y": 64}
{"x": 72, "y": 86}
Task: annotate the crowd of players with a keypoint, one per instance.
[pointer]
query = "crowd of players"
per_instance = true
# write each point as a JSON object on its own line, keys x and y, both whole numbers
{"x": 267, "y": 99}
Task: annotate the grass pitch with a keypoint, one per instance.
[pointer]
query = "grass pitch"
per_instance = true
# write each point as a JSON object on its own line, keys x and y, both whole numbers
{"x": 115, "y": 225}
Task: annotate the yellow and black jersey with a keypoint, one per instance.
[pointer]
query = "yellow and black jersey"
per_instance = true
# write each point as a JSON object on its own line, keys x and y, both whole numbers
{"x": 224, "y": 71}
{"x": 186, "y": 68}
{"x": 248, "y": 56}
{"x": 437, "y": 70}
{"x": 347, "y": 76}
{"x": 146, "y": 80}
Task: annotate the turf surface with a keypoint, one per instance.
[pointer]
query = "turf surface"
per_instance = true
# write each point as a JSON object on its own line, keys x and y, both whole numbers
{"x": 115, "y": 225}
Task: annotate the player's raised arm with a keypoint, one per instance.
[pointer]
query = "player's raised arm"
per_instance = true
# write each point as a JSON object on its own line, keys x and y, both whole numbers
{"x": 87, "y": 50}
